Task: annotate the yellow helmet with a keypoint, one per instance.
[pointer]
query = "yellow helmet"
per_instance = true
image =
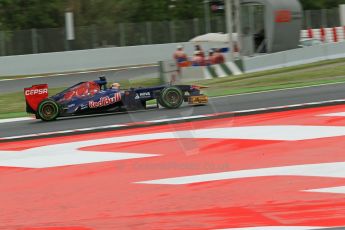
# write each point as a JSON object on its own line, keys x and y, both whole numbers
{"x": 115, "y": 85}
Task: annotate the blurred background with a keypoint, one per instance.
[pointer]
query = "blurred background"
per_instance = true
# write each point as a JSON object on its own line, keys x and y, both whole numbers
{"x": 38, "y": 26}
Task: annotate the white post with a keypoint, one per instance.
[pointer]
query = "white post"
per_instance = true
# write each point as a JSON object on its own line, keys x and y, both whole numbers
{"x": 122, "y": 34}
{"x": 69, "y": 21}
{"x": 229, "y": 25}
{"x": 149, "y": 32}
{"x": 2, "y": 43}
{"x": 342, "y": 14}
{"x": 207, "y": 16}
{"x": 238, "y": 25}
{"x": 34, "y": 41}
{"x": 196, "y": 27}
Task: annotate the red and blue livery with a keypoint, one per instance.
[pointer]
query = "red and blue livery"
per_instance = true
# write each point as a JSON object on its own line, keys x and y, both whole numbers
{"x": 94, "y": 97}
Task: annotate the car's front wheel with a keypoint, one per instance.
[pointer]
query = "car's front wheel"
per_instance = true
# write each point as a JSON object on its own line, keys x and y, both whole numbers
{"x": 48, "y": 110}
{"x": 171, "y": 98}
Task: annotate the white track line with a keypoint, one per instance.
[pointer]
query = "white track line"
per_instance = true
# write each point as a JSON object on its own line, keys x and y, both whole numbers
{"x": 336, "y": 190}
{"x": 342, "y": 114}
{"x": 277, "y": 228}
{"x": 62, "y": 132}
{"x": 2, "y": 121}
{"x": 161, "y": 120}
{"x": 71, "y": 153}
{"x": 176, "y": 119}
{"x": 329, "y": 170}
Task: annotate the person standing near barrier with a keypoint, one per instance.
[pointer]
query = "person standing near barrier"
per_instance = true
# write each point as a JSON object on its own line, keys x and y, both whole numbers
{"x": 198, "y": 59}
{"x": 181, "y": 58}
{"x": 179, "y": 55}
{"x": 198, "y": 48}
{"x": 211, "y": 60}
{"x": 218, "y": 57}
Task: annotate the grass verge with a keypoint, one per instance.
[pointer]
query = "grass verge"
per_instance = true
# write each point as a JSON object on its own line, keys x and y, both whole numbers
{"x": 13, "y": 105}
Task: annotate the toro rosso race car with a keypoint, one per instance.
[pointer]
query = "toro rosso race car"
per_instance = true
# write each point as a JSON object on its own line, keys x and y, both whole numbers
{"x": 94, "y": 97}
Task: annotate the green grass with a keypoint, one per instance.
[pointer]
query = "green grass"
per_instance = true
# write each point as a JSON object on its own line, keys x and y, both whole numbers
{"x": 13, "y": 104}
{"x": 224, "y": 92}
{"x": 13, "y": 115}
{"x": 305, "y": 75}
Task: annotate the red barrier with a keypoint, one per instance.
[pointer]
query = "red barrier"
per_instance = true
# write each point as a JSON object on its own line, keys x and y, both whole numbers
{"x": 185, "y": 64}
{"x": 323, "y": 34}
{"x": 335, "y": 34}
{"x": 310, "y": 33}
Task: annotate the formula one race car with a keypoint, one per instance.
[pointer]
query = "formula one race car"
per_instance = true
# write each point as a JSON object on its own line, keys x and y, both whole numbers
{"x": 94, "y": 97}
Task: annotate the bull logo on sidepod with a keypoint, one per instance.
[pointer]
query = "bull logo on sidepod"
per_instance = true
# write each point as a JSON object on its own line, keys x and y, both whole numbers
{"x": 105, "y": 101}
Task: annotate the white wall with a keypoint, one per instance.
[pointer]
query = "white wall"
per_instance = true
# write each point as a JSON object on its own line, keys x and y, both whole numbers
{"x": 89, "y": 59}
{"x": 35, "y": 64}
{"x": 294, "y": 57}
{"x": 83, "y": 59}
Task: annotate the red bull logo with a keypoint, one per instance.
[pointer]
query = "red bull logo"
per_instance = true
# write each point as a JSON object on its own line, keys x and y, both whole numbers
{"x": 105, "y": 101}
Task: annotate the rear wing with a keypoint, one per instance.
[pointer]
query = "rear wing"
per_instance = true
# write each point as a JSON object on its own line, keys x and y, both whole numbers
{"x": 34, "y": 95}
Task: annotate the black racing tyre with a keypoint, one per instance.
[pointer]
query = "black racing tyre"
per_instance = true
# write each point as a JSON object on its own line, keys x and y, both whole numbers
{"x": 160, "y": 102}
{"x": 48, "y": 110}
{"x": 37, "y": 116}
{"x": 171, "y": 98}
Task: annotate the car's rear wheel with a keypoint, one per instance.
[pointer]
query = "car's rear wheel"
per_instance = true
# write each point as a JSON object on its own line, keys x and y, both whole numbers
{"x": 48, "y": 110}
{"x": 171, "y": 98}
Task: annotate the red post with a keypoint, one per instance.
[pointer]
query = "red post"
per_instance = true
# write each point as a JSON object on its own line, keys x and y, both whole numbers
{"x": 323, "y": 34}
{"x": 310, "y": 33}
{"x": 335, "y": 34}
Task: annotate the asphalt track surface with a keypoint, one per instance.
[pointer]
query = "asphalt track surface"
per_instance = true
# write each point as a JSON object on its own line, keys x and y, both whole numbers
{"x": 66, "y": 80}
{"x": 216, "y": 105}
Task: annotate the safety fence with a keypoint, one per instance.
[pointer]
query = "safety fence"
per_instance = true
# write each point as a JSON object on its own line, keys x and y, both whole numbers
{"x": 131, "y": 34}
{"x": 334, "y": 34}
{"x": 104, "y": 36}
{"x": 321, "y": 18}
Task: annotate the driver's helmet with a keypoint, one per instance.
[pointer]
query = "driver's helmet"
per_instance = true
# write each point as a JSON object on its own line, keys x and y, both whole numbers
{"x": 115, "y": 86}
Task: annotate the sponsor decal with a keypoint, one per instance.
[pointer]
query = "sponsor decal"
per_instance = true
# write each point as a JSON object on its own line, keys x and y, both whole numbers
{"x": 105, "y": 101}
{"x": 145, "y": 94}
{"x": 35, "y": 94}
{"x": 142, "y": 95}
{"x": 32, "y": 92}
{"x": 283, "y": 16}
